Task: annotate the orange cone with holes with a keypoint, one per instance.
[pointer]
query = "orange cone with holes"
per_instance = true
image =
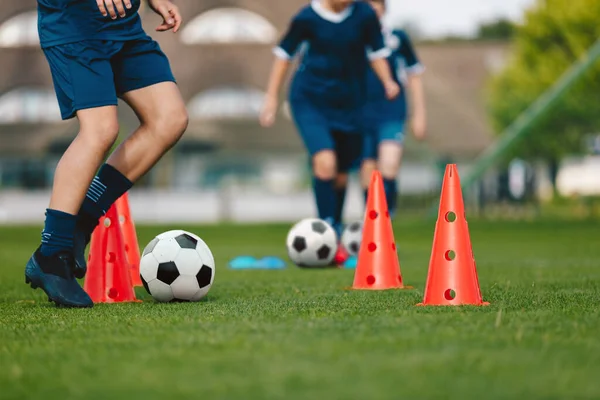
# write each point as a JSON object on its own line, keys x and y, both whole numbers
{"x": 452, "y": 279}
{"x": 108, "y": 279}
{"x": 378, "y": 265}
{"x": 132, "y": 248}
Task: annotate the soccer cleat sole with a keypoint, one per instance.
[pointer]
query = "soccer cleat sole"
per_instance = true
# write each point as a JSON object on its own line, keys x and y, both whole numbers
{"x": 31, "y": 282}
{"x": 79, "y": 272}
{"x": 34, "y": 286}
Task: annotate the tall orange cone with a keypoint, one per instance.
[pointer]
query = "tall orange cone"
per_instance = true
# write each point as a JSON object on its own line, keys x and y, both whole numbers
{"x": 378, "y": 265}
{"x": 452, "y": 278}
{"x": 108, "y": 279}
{"x": 132, "y": 248}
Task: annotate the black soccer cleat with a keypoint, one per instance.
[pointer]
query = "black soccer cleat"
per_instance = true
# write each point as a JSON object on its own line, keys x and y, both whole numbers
{"x": 80, "y": 243}
{"x": 54, "y": 275}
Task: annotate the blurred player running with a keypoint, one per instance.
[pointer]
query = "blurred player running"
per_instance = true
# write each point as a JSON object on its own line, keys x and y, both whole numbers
{"x": 385, "y": 120}
{"x": 328, "y": 91}
{"x": 98, "y": 52}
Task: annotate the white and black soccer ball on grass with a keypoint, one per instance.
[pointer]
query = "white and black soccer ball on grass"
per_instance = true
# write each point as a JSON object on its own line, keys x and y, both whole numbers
{"x": 352, "y": 238}
{"x": 177, "y": 266}
{"x": 312, "y": 243}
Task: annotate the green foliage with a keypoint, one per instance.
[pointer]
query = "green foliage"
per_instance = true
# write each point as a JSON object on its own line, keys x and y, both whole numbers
{"x": 502, "y": 29}
{"x": 554, "y": 35}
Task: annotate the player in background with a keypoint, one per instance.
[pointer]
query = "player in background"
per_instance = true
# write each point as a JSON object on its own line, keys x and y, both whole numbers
{"x": 97, "y": 52}
{"x": 328, "y": 90}
{"x": 385, "y": 120}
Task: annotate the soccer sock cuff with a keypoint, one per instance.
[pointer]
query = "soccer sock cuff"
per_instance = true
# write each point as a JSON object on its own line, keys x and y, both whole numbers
{"x": 58, "y": 232}
{"x": 108, "y": 185}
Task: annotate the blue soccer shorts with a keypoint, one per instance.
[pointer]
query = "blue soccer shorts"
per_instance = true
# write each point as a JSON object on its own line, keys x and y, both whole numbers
{"x": 318, "y": 134}
{"x": 95, "y": 73}
{"x": 379, "y": 131}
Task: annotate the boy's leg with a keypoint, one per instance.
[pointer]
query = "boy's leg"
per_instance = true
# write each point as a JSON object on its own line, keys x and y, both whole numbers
{"x": 368, "y": 166}
{"x": 52, "y": 265}
{"x": 390, "y": 155}
{"x": 87, "y": 91}
{"x": 163, "y": 118}
{"x": 349, "y": 148}
{"x": 324, "y": 172}
{"x": 145, "y": 82}
{"x": 162, "y": 124}
{"x": 340, "y": 184}
{"x": 314, "y": 130}
{"x": 75, "y": 170}
{"x": 341, "y": 187}
{"x": 389, "y": 160}
{"x": 369, "y": 160}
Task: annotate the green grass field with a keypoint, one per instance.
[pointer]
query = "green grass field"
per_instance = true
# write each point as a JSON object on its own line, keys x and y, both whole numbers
{"x": 298, "y": 334}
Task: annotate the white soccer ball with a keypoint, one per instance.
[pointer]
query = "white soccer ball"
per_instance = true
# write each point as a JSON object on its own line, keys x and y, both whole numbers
{"x": 312, "y": 242}
{"x": 352, "y": 238}
{"x": 177, "y": 266}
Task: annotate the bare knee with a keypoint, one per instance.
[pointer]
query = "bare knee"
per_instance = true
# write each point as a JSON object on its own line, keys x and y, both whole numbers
{"x": 390, "y": 157}
{"x": 169, "y": 125}
{"x": 324, "y": 165}
{"x": 99, "y": 128}
{"x": 366, "y": 170}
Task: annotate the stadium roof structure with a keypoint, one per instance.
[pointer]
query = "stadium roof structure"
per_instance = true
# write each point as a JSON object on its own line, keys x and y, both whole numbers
{"x": 221, "y": 59}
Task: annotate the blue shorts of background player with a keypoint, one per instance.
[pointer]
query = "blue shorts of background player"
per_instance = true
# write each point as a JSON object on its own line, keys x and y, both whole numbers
{"x": 97, "y": 55}
{"x": 320, "y": 132}
{"x": 387, "y": 130}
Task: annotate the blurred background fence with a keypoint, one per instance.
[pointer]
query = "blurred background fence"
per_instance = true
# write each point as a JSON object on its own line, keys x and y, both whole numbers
{"x": 227, "y": 168}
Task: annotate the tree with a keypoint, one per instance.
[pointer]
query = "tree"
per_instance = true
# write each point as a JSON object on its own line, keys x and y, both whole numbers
{"x": 554, "y": 35}
{"x": 502, "y": 29}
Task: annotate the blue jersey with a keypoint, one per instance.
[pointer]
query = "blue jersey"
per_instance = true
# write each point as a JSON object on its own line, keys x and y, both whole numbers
{"x": 333, "y": 65}
{"x": 70, "y": 21}
{"x": 403, "y": 61}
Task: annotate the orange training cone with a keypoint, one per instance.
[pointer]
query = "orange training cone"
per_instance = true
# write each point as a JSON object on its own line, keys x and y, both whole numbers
{"x": 108, "y": 279}
{"x": 378, "y": 266}
{"x": 452, "y": 278}
{"x": 132, "y": 249}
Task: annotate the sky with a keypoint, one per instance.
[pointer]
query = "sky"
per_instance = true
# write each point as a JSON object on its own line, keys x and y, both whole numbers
{"x": 436, "y": 18}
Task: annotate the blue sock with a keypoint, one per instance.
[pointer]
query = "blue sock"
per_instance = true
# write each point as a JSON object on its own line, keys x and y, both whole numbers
{"x": 391, "y": 194}
{"x": 58, "y": 231}
{"x": 106, "y": 188}
{"x": 325, "y": 197}
{"x": 340, "y": 195}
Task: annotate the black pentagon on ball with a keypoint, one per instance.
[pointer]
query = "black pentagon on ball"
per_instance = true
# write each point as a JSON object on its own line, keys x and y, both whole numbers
{"x": 186, "y": 241}
{"x": 299, "y": 244}
{"x": 145, "y": 284}
{"x": 354, "y": 227}
{"x": 151, "y": 246}
{"x": 167, "y": 272}
{"x": 354, "y": 247}
{"x": 324, "y": 252}
{"x": 204, "y": 276}
{"x": 319, "y": 227}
